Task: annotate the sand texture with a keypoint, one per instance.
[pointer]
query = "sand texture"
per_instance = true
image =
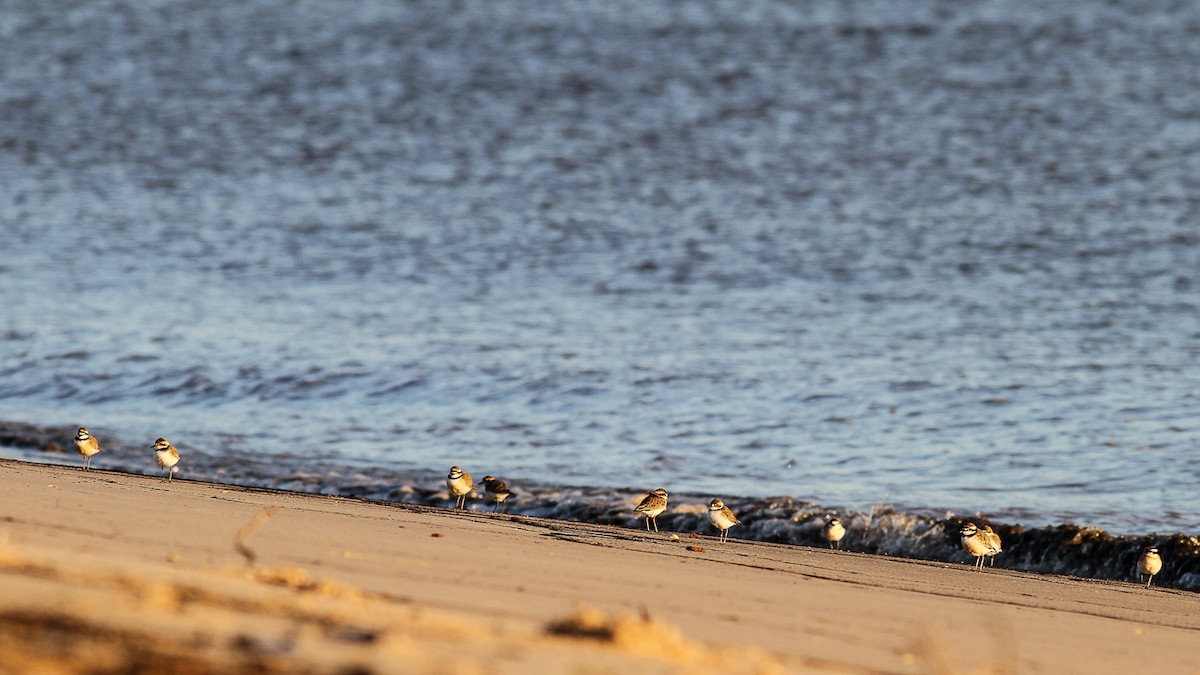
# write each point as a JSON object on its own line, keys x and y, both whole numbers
{"x": 110, "y": 572}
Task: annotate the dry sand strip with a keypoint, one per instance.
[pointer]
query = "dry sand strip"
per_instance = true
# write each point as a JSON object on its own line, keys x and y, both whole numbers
{"x": 105, "y": 572}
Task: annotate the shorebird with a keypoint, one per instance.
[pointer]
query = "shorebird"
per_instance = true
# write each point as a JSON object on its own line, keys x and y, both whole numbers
{"x": 652, "y": 506}
{"x": 497, "y": 492}
{"x": 833, "y": 533}
{"x": 1150, "y": 563}
{"x": 87, "y": 445}
{"x": 976, "y": 543}
{"x": 993, "y": 540}
{"x": 460, "y": 484}
{"x": 722, "y": 518}
{"x": 166, "y": 455}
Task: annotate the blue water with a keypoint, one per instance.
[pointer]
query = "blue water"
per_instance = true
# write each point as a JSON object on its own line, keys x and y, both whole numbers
{"x": 936, "y": 255}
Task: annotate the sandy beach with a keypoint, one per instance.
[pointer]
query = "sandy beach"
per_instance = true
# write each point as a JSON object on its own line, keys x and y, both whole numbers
{"x": 111, "y": 572}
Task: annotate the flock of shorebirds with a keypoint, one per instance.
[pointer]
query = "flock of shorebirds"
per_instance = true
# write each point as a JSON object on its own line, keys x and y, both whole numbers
{"x": 461, "y": 485}
{"x": 980, "y": 542}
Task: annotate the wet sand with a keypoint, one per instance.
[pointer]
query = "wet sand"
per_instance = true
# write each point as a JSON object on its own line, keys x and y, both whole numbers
{"x": 106, "y": 571}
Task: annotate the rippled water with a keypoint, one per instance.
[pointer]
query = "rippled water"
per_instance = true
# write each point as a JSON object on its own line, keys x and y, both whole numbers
{"x": 936, "y": 255}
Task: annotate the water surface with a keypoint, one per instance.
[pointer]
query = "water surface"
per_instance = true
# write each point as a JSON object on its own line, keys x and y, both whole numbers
{"x": 935, "y": 255}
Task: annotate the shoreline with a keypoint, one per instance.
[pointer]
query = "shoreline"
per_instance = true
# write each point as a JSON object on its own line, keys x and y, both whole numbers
{"x": 327, "y": 583}
{"x": 920, "y": 534}
{"x": 42, "y": 443}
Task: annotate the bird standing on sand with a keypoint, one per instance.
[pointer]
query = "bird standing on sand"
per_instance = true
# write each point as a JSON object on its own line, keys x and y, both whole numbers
{"x": 975, "y": 543}
{"x": 833, "y": 533}
{"x": 86, "y": 445}
{"x": 993, "y": 540}
{"x": 652, "y": 506}
{"x": 497, "y": 492}
{"x": 460, "y": 484}
{"x": 166, "y": 455}
{"x": 1150, "y": 563}
{"x": 722, "y": 518}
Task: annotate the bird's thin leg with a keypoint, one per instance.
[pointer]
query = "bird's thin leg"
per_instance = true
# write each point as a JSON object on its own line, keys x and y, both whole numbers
{"x": 656, "y": 523}
{"x": 1149, "y": 580}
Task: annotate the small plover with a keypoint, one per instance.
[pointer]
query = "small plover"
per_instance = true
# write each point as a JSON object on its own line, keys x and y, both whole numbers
{"x": 722, "y": 518}
{"x": 166, "y": 455}
{"x": 993, "y": 540}
{"x": 833, "y": 532}
{"x": 1150, "y": 563}
{"x": 975, "y": 543}
{"x": 86, "y": 445}
{"x": 461, "y": 484}
{"x": 653, "y": 506}
{"x": 497, "y": 492}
